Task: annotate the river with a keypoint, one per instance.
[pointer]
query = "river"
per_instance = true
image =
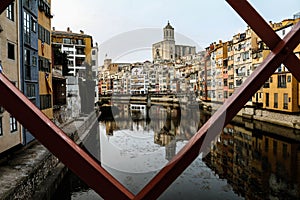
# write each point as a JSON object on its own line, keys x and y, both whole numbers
{"x": 243, "y": 162}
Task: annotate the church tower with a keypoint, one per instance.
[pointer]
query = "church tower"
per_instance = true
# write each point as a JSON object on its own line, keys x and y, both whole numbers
{"x": 169, "y": 32}
{"x": 165, "y": 50}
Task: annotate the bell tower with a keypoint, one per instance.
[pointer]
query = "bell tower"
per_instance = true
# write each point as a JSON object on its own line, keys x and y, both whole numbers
{"x": 169, "y": 32}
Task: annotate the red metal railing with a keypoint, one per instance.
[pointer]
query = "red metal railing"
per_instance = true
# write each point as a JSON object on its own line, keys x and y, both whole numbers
{"x": 99, "y": 179}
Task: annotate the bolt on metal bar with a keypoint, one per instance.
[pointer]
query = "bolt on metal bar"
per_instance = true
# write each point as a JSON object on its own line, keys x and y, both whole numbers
{"x": 265, "y": 32}
{"x": 224, "y": 115}
{"x": 54, "y": 139}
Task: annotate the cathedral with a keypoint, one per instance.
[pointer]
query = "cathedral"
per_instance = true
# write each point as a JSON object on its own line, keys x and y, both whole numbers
{"x": 167, "y": 50}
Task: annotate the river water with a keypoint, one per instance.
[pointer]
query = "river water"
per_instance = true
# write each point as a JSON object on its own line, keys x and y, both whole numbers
{"x": 246, "y": 160}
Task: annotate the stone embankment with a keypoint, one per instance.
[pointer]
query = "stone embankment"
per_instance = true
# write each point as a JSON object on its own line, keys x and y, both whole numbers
{"x": 262, "y": 115}
{"x": 33, "y": 172}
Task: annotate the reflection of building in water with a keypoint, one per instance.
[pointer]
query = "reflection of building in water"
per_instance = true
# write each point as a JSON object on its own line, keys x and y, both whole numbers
{"x": 110, "y": 127}
{"x": 168, "y": 124}
{"x": 257, "y": 165}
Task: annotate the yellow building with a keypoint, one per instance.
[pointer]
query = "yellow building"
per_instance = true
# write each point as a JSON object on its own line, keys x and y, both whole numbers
{"x": 45, "y": 57}
{"x": 259, "y": 53}
{"x": 10, "y": 129}
{"x": 281, "y": 92}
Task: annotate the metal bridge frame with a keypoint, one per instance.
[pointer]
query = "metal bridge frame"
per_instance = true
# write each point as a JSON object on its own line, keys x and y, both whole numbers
{"x": 98, "y": 178}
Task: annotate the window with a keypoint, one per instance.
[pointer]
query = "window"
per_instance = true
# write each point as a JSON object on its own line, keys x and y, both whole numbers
{"x": 13, "y": 124}
{"x": 285, "y": 101}
{"x": 26, "y": 27}
{"x": 281, "y": 81}
{"x": 44, "y": 64}
{"x": 44, "y": 34}
{"x": 30, "y": 91}
{"x": 44, "y": 6}
{"x": 80, "y": 42}
{"x": 1, "y": 127}
{"x": 10, "y": 51}
{"x": 10, "y": 12}
{"x": 289, "y": 78}
{"x": 33, "y": 25}
{"x": 34, "y": 61}
{"x": 45, "y": 101}
{"x": 67, "y": 41}
{"x": 267, "y": 99}
{"x": 27, "y": 57}
{"x": 276, "y": 100}
{"x": 245, "y": 55}
{"x": 27, "y": 64}
{"x": 94, "y": 52}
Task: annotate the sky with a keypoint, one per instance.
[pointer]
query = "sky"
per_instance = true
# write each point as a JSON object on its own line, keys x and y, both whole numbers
{"x": 126, "y": 29}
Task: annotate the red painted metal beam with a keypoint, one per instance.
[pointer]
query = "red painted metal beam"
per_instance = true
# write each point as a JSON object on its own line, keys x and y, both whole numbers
{"x": 4, "y": 4}
{"x": 265, "y": 32}
{"x": 224, "y": 115}
{"x": 54, "y": 139}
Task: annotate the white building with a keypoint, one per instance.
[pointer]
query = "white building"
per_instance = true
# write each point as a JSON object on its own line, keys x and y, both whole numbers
{"x": 167, "y": 50}
{"x": 95, "y": 67}
{"x": 139, "y": 82}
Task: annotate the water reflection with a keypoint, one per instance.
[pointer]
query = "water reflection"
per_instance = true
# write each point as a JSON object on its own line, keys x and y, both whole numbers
{"x": 144, "y": 140}
{"x": 246, "y": 161}
{"x": 257, "y": 164}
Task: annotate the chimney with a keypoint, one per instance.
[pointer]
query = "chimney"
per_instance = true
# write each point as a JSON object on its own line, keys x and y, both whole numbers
{"x": 68, "y": 29}
{"x": 81, "y": 31}
{"x": 53, "y": 28}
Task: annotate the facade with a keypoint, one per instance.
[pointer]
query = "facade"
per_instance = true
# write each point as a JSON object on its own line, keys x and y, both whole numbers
{"x": 138, "y": 81}
{"x": 230, "y": 68}
{"x": 221, "y": 72}
{"x": 242, "y": 60}
{"x": 78, "y": 46}
{"x": 95, "y": 65}
{"x": 80, "y": 77}
{"x": 29, "y": 69}
{"x": 281, "y": 92}
{"x": 259, "y": 53}
{"x": 167, "y": 50}
{"x": 45, "y": 57}
{"x": 10, "y": 129}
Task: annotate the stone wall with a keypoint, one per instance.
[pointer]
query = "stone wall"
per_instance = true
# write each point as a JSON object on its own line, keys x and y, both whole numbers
{"x": 34, "y": 173}
{"x": 278, "y": 118}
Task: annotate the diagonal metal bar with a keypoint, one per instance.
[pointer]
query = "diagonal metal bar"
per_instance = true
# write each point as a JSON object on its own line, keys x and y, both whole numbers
{"x": 59, "y": 143}
{"x": 224, "y": 115}
{"x": 265, "y": 32}
{"x": 4, "y": 4}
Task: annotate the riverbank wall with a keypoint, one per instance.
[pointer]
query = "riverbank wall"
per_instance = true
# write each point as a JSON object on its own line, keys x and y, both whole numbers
{"x": 250, "y": 113}
{"x": 33, "y": 172}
